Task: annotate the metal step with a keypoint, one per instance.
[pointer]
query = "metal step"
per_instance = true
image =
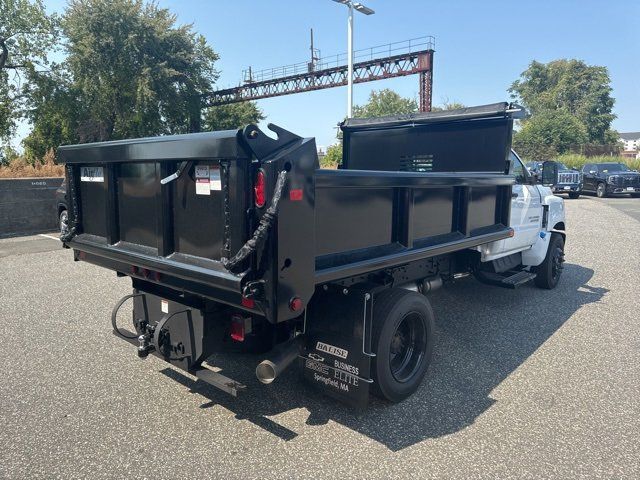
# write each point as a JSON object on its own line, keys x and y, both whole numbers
{"x": 518, "y": 279}
{"x": 509, "y": 279}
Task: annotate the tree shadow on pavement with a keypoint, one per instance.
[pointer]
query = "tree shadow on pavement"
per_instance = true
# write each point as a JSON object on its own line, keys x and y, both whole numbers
{"x": 483, "y": 334}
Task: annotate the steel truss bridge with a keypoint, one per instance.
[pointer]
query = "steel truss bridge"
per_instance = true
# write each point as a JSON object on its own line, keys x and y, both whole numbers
{"x": 399, "y": 59}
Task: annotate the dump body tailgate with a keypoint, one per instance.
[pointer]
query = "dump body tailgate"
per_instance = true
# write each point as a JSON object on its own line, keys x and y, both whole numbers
{"x": 125, "y": 216}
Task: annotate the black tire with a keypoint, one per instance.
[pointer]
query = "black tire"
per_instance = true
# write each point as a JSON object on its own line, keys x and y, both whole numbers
{"x": 635, "y": 195}
{"x": 403, "y": 326}
{"x": 574, "y": 195}
{"x": 601, "y": 190}
{"x": 549, "y": 271}
{"x": 63, "y": 222}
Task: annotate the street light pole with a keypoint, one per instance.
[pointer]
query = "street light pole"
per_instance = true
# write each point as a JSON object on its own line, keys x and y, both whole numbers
{"x": 350, "y": 62}
{"x": 367, "y": 11}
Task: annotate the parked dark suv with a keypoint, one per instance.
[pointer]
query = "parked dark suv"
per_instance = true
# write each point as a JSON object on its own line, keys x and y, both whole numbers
{"x": 61, "y": 206}
{"x": 569, "y": 179}
{"x": 610, "y": 179}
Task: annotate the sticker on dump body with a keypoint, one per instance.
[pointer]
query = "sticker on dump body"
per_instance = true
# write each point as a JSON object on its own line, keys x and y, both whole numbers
{"x": 202, "y": 171}
{"x": 164, "y": 306}
{"x": 202, "y": 186}
{"x": 214, "y": 179}
{"x": 92, "y": 174}
{"x": 202, "y": 180}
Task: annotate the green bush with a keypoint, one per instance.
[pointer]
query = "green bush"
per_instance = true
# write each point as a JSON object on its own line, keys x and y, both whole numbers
{"x": 333, "y": 157}
{"x": 577, "y": 161}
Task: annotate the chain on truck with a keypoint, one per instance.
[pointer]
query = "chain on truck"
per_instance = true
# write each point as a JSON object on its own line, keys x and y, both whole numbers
{"x": 239, "y": 242}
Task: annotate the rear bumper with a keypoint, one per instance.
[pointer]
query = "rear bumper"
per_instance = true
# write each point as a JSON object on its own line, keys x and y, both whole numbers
{"x": 182, "y": 273}
{"x": 187, "y": 267}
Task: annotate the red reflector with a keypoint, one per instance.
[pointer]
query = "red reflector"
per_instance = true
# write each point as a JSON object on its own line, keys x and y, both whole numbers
{"x": 259, "y": 189}
{"x": 248, "y": 302}
{"x": 295, "y": 195}
{"x": 146, "y": 273}
{"x": 156, "y": 276}
{"x": 512, "y": 232}
{"x": 296, "y": 304}
{"x": 237, "y": 328}
{"x": 134, "y": 270}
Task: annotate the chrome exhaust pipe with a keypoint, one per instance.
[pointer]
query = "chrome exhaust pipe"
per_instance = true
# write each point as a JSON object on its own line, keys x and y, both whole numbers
{"x": 431, "y": 284}
{"x": 279, "y": 360}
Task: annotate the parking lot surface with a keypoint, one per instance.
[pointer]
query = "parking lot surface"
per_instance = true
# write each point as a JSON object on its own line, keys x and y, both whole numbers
{"x": 525, "y": 383}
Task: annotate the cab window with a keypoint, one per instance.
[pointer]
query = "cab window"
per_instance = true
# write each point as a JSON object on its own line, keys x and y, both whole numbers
{"x": 518, "y": 169}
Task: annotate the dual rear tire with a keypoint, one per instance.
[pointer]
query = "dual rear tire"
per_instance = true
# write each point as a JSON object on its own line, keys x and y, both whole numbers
{"x": 403, "y": 328}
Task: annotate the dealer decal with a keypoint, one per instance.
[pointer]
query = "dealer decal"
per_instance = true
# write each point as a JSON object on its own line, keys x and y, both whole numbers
{"x": 331, "y": 350}
{"x": 92, "y": 174}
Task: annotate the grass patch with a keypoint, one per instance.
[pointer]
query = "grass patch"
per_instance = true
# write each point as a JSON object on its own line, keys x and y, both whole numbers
{"x": 577, "y": 161}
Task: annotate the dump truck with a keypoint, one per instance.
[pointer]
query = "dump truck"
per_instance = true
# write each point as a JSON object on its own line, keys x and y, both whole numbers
{"x": 237, "y": 241}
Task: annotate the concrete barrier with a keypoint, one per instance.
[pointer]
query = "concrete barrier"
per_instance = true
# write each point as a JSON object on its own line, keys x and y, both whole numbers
{"x": 27, "y": 205}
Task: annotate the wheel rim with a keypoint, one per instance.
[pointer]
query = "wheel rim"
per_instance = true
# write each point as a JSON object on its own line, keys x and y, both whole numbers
{"x": 557, "y": 263}
{"x": 600, "y": 190}
{"x": 407, "y": 347}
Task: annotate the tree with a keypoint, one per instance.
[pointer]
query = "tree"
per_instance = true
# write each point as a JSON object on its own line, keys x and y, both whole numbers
{"x": 447, "y": 105}
{"x": 548, "y": 134}
{"x": 572, "y": 86}
{"x": 132, "y": 73}
{"x": 333, "y": 157}
{"x": 231, "y": 116}
{"x": 54, "y": 111}
{"x": 385, "y": 102}
{"x": 27, "y": 34}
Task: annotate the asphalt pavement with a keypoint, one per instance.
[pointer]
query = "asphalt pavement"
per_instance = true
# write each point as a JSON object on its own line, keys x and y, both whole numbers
{"x": 523, "y": 384}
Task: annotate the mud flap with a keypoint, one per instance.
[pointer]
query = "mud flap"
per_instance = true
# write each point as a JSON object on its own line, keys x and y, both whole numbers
{"x": 337, "y": 355}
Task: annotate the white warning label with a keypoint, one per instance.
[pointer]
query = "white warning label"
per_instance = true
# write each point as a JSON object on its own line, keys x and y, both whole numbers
{"x": 202, "y": 180}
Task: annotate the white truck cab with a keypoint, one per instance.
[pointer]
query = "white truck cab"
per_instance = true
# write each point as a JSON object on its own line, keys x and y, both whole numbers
{"x": 538, "y": 223}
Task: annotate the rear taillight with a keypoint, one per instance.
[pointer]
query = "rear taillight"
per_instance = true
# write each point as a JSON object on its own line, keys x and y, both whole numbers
{"x": 259, "y": 189}
{"x": 248, "y": 302}
{"x": 237, "y": 330}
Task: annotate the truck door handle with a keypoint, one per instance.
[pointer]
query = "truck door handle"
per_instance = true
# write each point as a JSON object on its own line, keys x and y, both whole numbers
{"x": 514, "y": 195}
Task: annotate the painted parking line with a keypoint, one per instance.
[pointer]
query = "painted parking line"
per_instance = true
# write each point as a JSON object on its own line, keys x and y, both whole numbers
{"x": 48, "y": 236}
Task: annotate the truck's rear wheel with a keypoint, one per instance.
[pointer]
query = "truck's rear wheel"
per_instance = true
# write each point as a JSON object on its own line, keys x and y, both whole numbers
{"x": 549, "y": 271}
{"x": 574, "y": 195}
{"x": 403, "y": 325}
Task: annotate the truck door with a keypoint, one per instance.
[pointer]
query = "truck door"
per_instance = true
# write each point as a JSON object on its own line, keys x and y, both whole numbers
{"x": 588, "y": 177}
{"x": 526, "y": 208}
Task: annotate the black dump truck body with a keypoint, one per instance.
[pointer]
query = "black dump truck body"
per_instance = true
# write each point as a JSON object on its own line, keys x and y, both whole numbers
{"x": 237, "y": 233}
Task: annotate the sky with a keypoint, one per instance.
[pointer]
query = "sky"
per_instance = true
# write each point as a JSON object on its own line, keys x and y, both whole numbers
{"x": 481, "y": 47}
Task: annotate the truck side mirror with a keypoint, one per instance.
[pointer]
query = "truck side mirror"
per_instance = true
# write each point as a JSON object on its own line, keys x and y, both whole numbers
{"x": 549, "y": 173}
